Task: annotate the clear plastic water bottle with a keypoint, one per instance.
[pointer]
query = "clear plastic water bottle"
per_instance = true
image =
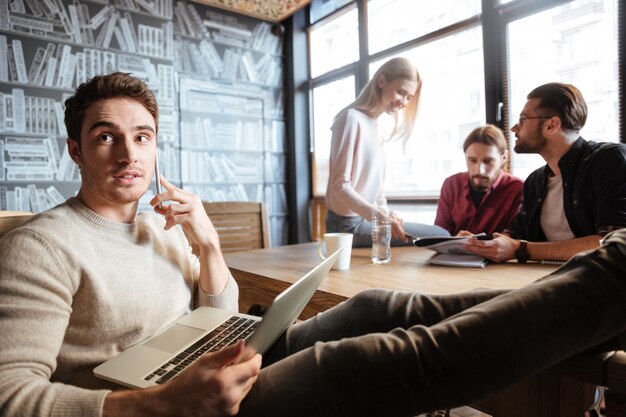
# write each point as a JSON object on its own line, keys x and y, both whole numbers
{"x": 381, "y": 233}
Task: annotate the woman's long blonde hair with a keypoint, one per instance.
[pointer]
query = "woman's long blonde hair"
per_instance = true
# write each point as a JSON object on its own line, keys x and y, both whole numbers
{"x": 368, "y": 99}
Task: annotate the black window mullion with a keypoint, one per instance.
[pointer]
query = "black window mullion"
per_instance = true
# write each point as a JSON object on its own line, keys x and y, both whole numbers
{"x": 361, "y": 75}
{"x": 621, "y": 53}
{"x": 492, "y": 47}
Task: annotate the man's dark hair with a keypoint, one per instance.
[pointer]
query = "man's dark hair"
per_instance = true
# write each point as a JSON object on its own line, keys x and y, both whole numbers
{"x": 564, "y": 101}
{"x": 489, "y": 135}
{"x": 114, "y": 85}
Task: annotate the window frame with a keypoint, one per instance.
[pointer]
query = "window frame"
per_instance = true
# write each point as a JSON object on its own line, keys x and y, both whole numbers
{"x": 493, "y": 18}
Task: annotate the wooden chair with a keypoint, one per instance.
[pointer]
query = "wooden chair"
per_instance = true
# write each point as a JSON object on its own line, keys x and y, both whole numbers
{"x": 9, "y": 220}
{"x": 607, "y": 370}
{"x": 572, "y": 383}
{"x": 318, "y": 218}
{"x": 240, "y": 225}
{"x": 616, "y": 384}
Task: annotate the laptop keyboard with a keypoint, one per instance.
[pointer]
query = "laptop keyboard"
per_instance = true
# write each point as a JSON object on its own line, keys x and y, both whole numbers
{"x": 228, "y": 333}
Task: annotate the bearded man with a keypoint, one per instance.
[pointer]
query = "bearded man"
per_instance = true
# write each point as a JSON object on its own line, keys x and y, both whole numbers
{"x": 485, "y": 198}
{"x": 573, "y": 201}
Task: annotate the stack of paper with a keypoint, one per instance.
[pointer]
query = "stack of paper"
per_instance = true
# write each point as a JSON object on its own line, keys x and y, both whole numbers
{"x": 471, "y": 261}
{"x": 450, "y": 251}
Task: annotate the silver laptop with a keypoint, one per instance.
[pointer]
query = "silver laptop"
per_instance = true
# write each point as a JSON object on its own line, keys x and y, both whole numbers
{"x": 163, "y": 356}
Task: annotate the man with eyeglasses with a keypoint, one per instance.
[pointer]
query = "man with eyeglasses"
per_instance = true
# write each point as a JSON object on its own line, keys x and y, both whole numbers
{"x": 576, "y": 198}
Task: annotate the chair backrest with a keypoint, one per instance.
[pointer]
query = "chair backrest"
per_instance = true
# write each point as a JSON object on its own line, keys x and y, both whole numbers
{"x": 318, "y": 218}
{"x": 240, "y": 225}
{"x": 9, "y": 220}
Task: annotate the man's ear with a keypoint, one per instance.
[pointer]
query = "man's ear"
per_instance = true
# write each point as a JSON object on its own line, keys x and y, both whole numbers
{"x": 505, "y": 157}
{"x": 553, "y": 124}
{"x": 74, "y": 151}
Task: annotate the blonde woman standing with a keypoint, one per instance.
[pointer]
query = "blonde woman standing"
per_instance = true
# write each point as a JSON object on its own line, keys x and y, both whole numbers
{"x": 357, "y": 161}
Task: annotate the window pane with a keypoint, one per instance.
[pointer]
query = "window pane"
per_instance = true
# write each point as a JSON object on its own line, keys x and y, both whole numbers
{"x": 322, "y": 8}
{"x": 327, "y": 101}
{"x": 577, "y": 44}
{"x": 392, "y": 22}
{"x": 452, "y": 105}
{"x": 335, "y": 43}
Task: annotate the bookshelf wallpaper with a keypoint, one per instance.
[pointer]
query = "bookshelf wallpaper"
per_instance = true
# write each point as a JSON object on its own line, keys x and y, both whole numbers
{"x": 217, "y": 77}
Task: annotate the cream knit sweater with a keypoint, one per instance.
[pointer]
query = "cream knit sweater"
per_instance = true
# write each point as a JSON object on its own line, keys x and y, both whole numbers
{"x": 76, "y": 289}
{"x": 356, "y": 165}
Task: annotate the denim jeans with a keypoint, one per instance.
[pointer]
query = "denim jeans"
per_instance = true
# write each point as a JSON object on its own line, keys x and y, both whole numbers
{"x": 386, "y": 353}
{"x": 362, "y": 229}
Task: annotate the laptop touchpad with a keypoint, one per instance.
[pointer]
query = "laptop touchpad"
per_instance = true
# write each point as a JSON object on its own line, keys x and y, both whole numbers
{"x": 173, "y": 338}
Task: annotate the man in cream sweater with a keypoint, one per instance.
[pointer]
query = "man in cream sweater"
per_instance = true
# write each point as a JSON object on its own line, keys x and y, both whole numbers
{"x": 91, "y": 277}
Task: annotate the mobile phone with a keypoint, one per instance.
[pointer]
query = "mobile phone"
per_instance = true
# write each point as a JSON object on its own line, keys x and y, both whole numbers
{"x": 157, "y": 174}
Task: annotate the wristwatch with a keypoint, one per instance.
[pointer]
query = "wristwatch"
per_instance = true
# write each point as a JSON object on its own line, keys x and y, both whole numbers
{"x": 521, "y": 254}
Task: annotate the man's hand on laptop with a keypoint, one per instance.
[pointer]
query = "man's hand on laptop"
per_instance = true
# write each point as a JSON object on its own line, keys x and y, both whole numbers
{"x": 213, "y": 386}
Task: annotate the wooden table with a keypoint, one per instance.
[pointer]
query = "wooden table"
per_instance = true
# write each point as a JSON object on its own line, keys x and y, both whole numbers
{"x": 264, "y": 273}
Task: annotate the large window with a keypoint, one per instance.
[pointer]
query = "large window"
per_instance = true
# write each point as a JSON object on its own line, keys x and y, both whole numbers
{"x": 575, "y": 43}
{"x": 336, "y": 43}
{"x": 452, "y": 105}
{"x": 328, "y": 100}
{"x": 525, "y": 43}
{"x": 392, "y": 22}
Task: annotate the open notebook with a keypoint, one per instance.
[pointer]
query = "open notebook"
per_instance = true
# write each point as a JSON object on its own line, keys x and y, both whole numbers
{"x": 450, "y": 250}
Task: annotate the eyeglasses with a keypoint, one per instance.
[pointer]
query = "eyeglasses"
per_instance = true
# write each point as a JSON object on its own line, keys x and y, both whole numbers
{"x": 522, "y": 119}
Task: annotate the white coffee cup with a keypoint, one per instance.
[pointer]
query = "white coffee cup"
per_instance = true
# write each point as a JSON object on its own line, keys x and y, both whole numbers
{"x": 333, "y": 242}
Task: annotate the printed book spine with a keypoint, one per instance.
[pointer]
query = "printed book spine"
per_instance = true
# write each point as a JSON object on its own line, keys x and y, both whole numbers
{"x": 63, "y": 65}
{"x": 4, "y": 59}
{"x": 20, "y": 66}
{"x": 75, "y": 23}
{"x": 18, "y": 110}
{"x": 50, "y": 72}
{"x": 99, "y": 18}
{"x": 128, "y": 37}
{"x": 17, "y": 6}
{"x": 85, "y": 29}
{"x": 121, "y": 41}
{"x": 4, "y": 14}
{"x": 35, "y": 65}
{"x": 34, "y": 7}
{"x": 41, "y": 77}
{"x": 63, "y": 17}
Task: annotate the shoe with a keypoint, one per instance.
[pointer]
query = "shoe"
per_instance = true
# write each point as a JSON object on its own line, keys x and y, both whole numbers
{"x": 597, "y": 408}
{"x": 438, "y": 413}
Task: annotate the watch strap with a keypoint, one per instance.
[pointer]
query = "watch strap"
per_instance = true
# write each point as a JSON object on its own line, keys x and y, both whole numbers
{"x": 521, "y": 254}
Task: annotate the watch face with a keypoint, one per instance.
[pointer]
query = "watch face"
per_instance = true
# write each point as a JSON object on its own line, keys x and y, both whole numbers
{"x": 521, "y": 254}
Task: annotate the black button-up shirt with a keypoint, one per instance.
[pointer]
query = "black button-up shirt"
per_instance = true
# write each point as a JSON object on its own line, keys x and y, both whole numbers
{"x": 594, "y": 192}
